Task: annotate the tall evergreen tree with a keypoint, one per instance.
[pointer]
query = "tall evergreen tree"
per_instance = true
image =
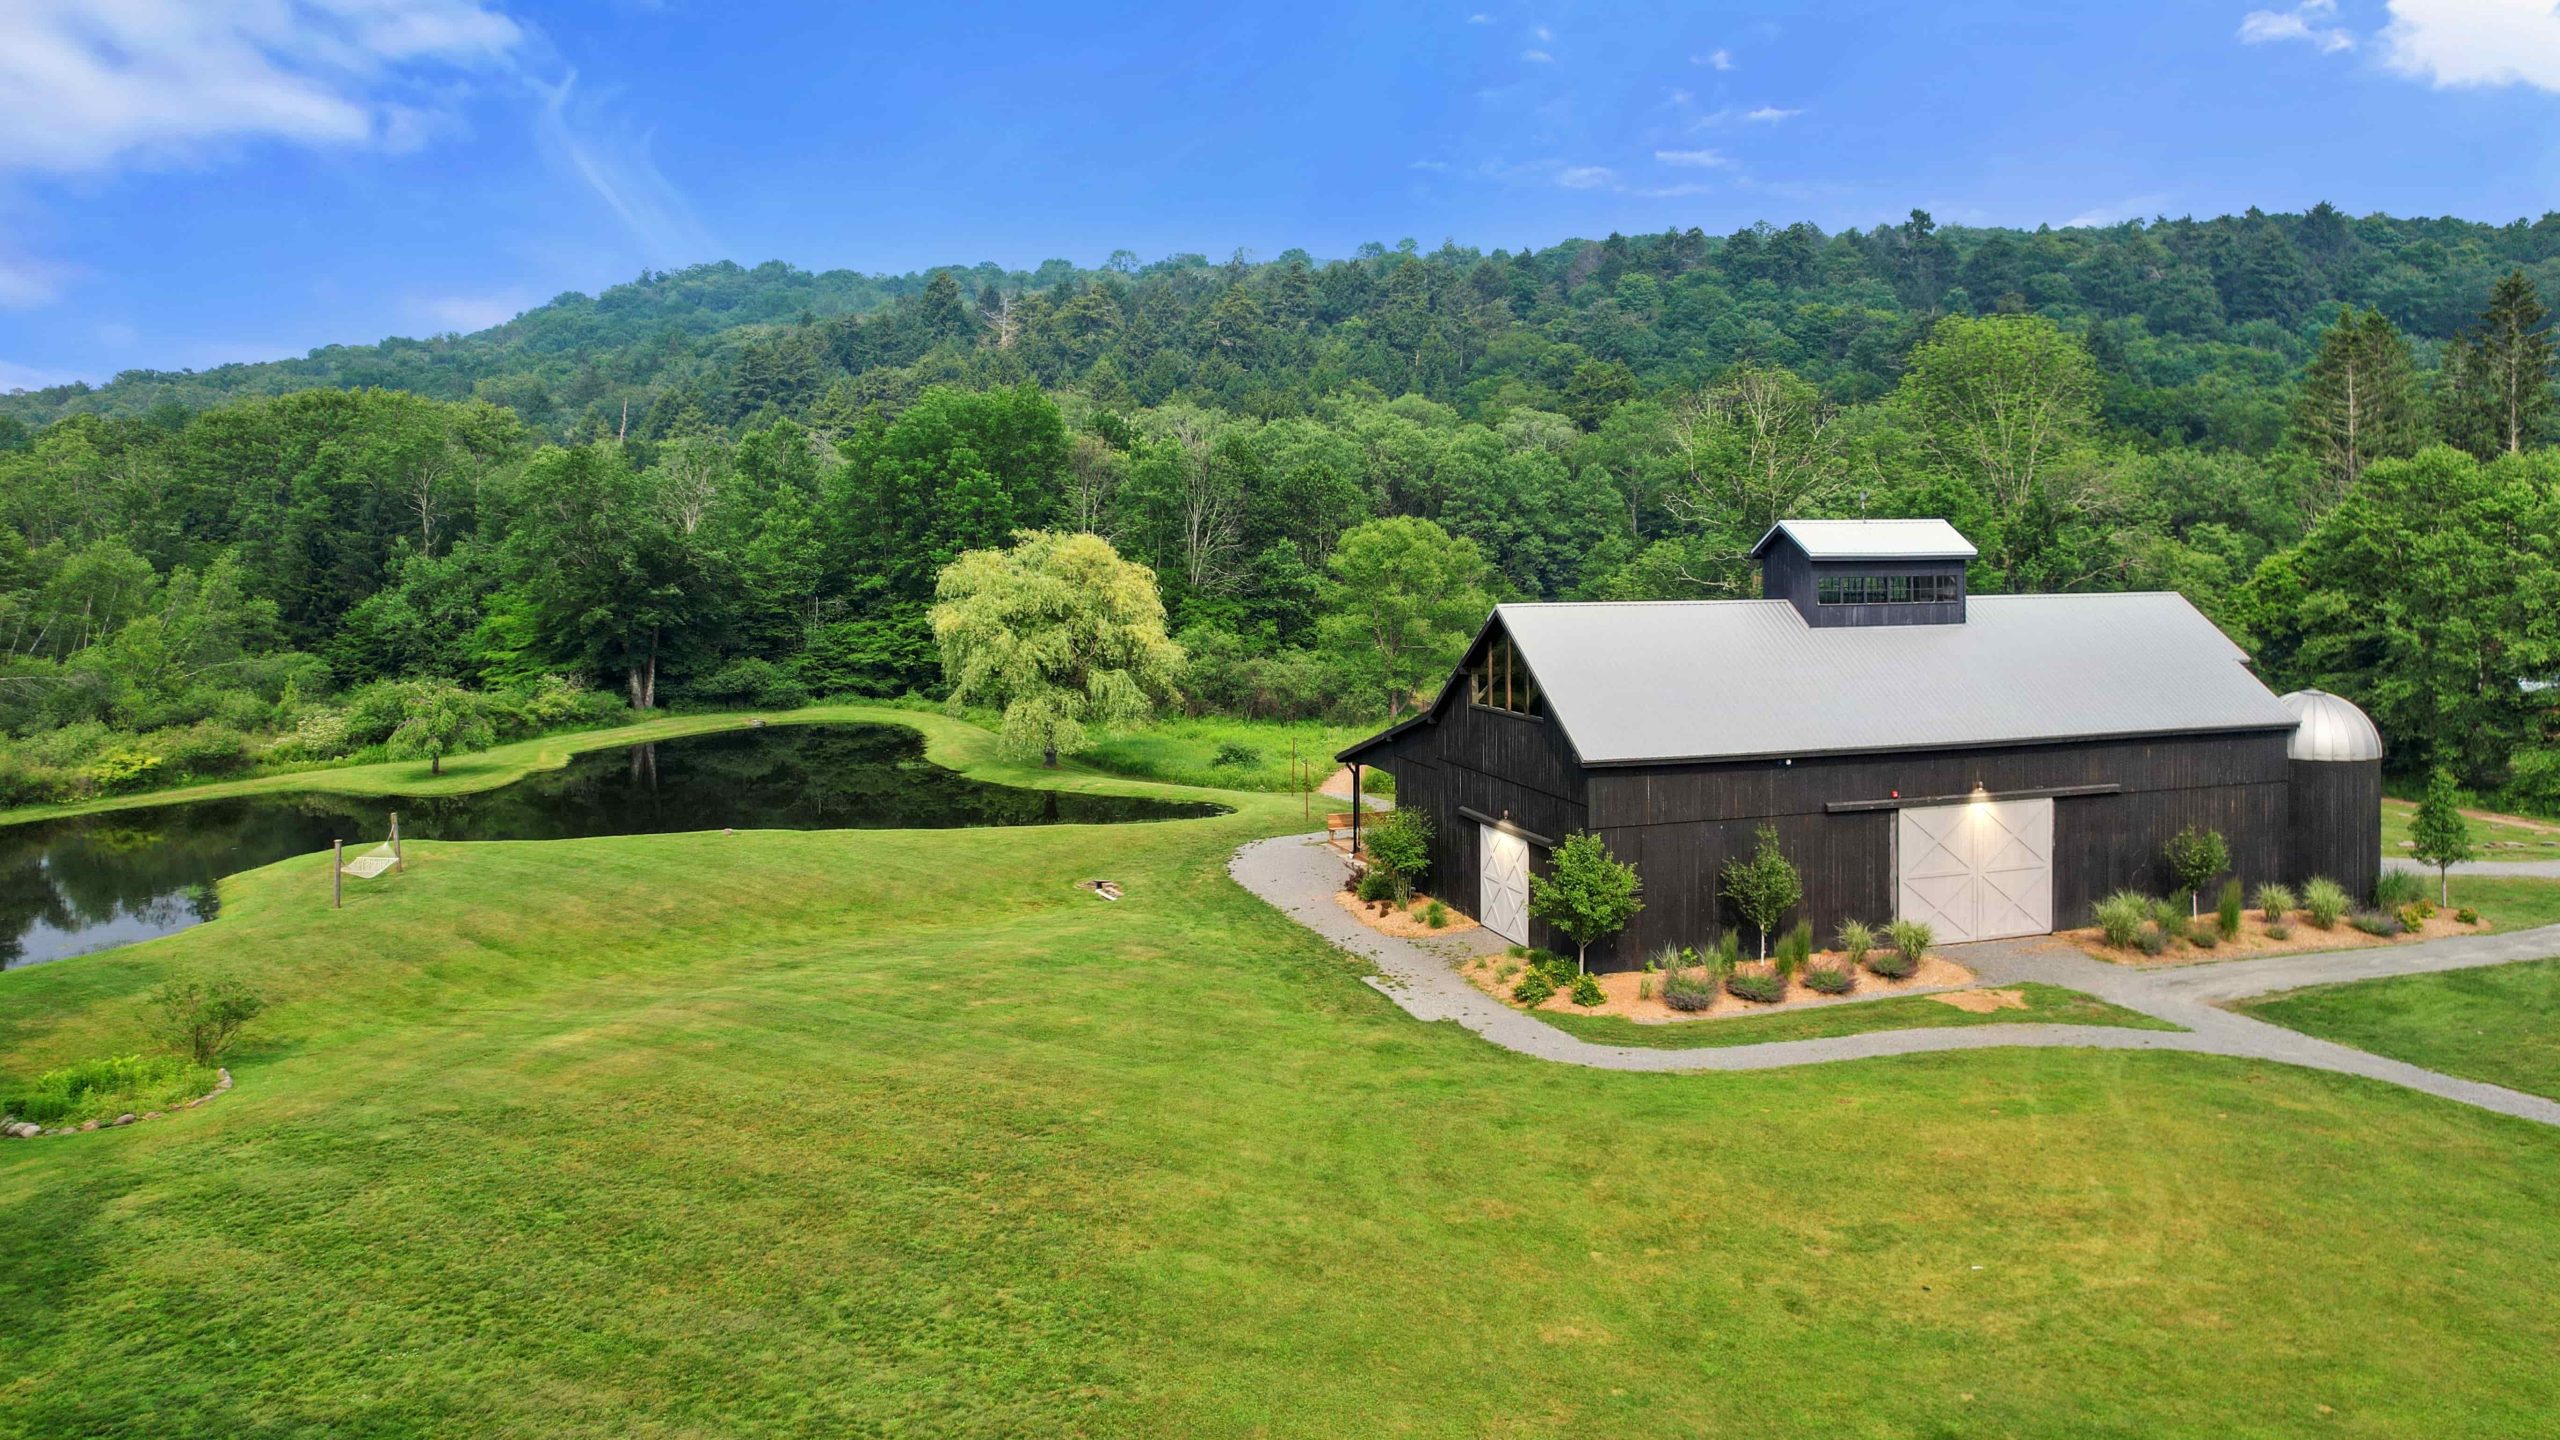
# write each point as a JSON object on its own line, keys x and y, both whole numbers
{"x": 2498, "y": 397}
{"x": 2358, "y": 402}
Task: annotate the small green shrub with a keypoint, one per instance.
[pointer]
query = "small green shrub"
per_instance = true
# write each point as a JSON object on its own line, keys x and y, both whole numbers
{"x": 2376, "y": 922}
{"x": 2398, "y": 887}
{"x": 1400, "y": 847}
{"x": 1758, "y": 987}
{"x": 103, "y": 1089}
{"x": 1534, "y": 989}
{"x": 1236, "y": 755}
{"x": 1559, "y": 971}
{"x": 200, "y": 1019}
{"x": 2203, "y": 935}
{"x": 2226, "y": 910}
{"x": 1377, "y": 885}
{"x": 1587, "y": 991}
{"x": 2120, "y": 917}
{"x": 2275, "y": 902}
{"x": 2279, "y": 930}
{"x": 1892, "y": 965}
{"x": 1435, "y": 915}
{"x": 1911, "y": 940}
{"x": 1828, "y": 978}
{"x": 2153, "y": 940}
{"x": 1794, "y": 949}
{"x": 1688, "y": 987}
{"x": 2467, "y": 915}
{"x": 2170, "y": 914}
{"x": 1857, "y": 938}
{"x": 2324, "y": 901}
{"x": 2413, "y": 917}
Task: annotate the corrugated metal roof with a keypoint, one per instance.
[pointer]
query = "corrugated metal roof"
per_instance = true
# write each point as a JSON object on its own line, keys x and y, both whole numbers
{"x": 1721, "y": 679}
{"x": 1873, "y": 539}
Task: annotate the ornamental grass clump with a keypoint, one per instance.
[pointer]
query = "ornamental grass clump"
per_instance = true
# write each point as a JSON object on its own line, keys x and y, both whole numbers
{"x": 1794, "y": 949}
{"x": 1687, "y": 984}
{"x": 2120, "y": 918}
{"x": 2275, "y": 902}
{"x": 1857, "y": 940}
{"x": 2226, "y": 910}
{"x": 104, "y": 1089}
{"x": 2398, "y": 887}
{"x": 1757, "y": 986}
{"x": 1830, "y": 977}
{"x": 2324, "y": 902}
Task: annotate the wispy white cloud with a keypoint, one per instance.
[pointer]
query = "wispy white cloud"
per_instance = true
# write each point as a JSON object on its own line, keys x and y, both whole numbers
{"x": 2452, "y": 43}
{"x": 1432, "y": 165}
{"x": 1714, "y": 59}
{"x": 1769, "y": 115}
{"x": 1692, "y": 157}
{"x": 1543, "y": 33}
{"x": 2311, "y": 22}
{"x": 1537, "y": 57}
{"x": 2117, "y": 212}
{"x": 14, "y": 376}
{"x": 616, "y": 164}
{"x": 87, "y": 85}
{"x": 467, "y": 313}
{"x": 26, "y": 282}
{"x": 1678, "y": 99}
{"x": 1669, "y": 192}
{"x": 1586, "y": 177}
{"x": 1479, "y": 18}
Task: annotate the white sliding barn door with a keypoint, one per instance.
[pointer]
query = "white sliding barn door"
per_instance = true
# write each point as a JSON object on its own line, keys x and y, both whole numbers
{"x": 1502, "y": 868}
{"x": 1977, "y": 871}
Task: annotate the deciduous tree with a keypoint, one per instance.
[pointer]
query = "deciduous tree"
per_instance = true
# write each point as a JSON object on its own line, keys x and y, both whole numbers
{"x": 1058, "y": 633}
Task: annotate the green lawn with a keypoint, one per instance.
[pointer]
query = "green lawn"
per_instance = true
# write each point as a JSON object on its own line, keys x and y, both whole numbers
{"x": 2500, "y": 1023}
{"x": 1185, "y": 752}
{"x": 2508, "y": 902}
{"x": 874, "y": 1133}
{"x": 2046, "y": 1005}
{"x": 2498, "y": 840}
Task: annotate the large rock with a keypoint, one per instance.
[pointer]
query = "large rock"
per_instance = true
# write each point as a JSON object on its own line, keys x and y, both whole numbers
{"x": 122, "y": 1120}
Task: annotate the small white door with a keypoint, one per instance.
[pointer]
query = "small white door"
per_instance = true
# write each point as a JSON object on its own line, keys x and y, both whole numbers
{"x": 1502, "y": 866}
{"x": 1977, "y": 871}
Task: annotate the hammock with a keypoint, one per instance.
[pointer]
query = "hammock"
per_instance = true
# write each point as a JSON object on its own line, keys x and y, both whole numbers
{"x": 371, "y": 863}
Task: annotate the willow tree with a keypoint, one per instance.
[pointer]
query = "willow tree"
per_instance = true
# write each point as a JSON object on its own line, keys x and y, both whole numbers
{"x": 1058, "y": 633}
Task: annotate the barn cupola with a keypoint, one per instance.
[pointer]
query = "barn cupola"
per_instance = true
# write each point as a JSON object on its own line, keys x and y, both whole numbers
{"x": 1866, "y": 572}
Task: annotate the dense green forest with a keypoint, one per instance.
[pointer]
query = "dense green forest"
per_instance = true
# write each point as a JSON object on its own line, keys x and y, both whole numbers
{"x": 727, "y": 485}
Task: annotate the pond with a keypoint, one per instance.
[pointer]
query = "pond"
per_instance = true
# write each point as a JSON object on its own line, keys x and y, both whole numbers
{"x": 71, "y": 886}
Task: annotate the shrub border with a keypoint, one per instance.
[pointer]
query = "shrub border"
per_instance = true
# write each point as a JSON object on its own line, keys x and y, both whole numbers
{"x": 16, "y": 1129}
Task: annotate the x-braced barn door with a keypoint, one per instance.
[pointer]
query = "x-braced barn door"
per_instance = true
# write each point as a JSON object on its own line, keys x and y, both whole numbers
{"x": 1978, "y": 871}
{"x": 1503, "y": 887}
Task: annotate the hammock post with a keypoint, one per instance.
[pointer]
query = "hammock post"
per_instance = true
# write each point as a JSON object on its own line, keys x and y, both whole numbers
{"x": 337, "y": 874}
{"x": 397, "y": 863}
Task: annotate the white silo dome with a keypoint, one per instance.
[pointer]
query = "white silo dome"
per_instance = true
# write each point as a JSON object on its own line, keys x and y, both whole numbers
{"x": 2330, "y": 728}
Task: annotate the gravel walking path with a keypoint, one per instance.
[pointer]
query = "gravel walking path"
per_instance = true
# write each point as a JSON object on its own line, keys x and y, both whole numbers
{"x": 1298, "y": 877}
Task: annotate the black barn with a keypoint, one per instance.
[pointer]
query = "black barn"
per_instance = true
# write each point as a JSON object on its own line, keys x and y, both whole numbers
{"x": 1992, "y": 765}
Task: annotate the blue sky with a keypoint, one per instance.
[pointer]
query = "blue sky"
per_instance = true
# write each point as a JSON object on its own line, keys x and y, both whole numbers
{"x": 186, "y": 182}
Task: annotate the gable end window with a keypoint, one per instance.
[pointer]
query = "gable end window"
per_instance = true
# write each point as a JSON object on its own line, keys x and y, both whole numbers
{"x": 1501, "y": 682}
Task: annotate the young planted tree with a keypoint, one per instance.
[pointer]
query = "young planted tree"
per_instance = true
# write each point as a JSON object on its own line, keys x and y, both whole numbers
{"x": 1764, "y": 887}
{"x": 439, "y": 718}
{"x": 2442, "y": 837}
{"x": 1587, "y": 893}
{"x": 1399, "y": 847}
{"x": 1405, "y": 597}
{"x": 1060, "y": 634}
{"x": 2195, "y": 855}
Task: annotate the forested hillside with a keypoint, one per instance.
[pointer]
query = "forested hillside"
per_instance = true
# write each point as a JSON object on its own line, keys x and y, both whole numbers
{"x": 727, "y": 485}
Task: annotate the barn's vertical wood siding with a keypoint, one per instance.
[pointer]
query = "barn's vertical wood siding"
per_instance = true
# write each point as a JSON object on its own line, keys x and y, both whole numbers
{"x": 1495, "y": 763}
{"x": 2337, "y": 823}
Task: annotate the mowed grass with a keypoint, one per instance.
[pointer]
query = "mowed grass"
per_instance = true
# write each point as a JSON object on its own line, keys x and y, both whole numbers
{"x": 2500, "y": 1023}
{"x": 1184, "y": 751}
{"x": 2497, "y": 839}
{"x": 2045, "y": 1005}
{"x": 874, "y": 1133}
